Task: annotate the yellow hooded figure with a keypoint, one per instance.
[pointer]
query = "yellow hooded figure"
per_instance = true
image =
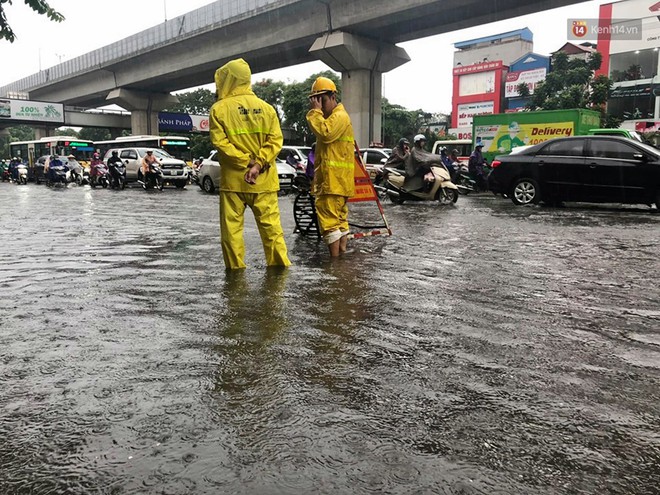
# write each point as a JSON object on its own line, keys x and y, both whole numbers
{"x": 246, "y": 132}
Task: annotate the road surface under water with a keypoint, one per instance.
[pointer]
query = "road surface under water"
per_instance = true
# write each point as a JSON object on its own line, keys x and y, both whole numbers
{"x": 483, "y": 349}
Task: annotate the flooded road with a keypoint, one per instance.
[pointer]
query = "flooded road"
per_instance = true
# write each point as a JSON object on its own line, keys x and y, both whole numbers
{"x": 483, "y": 349}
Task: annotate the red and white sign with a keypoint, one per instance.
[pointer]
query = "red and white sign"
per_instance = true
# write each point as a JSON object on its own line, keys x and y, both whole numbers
{"x": 531, "y": 77}
{"x": 482, "y": 67}
{"x": 468, "y": 110}
{"x": 461, "y": 132}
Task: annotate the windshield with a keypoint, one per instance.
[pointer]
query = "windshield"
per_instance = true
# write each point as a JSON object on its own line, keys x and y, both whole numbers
{"x": 158, "y": 153}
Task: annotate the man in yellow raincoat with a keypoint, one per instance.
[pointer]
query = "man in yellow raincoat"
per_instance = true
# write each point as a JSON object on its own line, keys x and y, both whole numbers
{"x": 334, "y": 163}
{"x": 246, "y": 132}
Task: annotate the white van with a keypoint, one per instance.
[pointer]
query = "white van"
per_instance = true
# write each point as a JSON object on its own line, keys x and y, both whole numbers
{"x": 464, "y": 147}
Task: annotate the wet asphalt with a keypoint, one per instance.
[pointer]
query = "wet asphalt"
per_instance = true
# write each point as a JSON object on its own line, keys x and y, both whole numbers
{"x": 483, "y": 349}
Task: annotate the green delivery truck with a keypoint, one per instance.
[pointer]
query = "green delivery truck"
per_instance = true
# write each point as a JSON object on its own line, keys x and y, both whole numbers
{"x": 501, "y": 132}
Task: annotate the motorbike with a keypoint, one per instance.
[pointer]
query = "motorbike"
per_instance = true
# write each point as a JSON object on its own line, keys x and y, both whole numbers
{"x": 154, "y": 179}
{"x": 466, "y": 182}
{"x": 21, "y": 172}
{"x": 56, "y": 175}
{"x": 98, "y": 175}
{"x": 76, "y": 174}
{"x": 439, "y": 186}
{"x": 117, "y": 175}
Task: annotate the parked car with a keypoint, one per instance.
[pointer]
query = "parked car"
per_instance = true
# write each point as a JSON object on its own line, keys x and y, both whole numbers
{"x": 208, "y": 174}
{"x": 299, "y": 153}
{"x": 175, "y": 171}
{"x": 597, "y": 169}
{"x": 374, "y": 159}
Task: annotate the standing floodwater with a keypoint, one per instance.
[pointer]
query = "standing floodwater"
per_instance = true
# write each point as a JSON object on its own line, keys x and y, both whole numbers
{"x": 484, "y": 348}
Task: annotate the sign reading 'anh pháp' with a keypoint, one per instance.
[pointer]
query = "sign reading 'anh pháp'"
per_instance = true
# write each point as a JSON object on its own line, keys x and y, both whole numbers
{"x": 31, "y": 111}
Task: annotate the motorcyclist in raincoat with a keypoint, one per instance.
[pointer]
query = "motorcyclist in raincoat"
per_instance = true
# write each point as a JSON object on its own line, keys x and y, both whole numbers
{"x": 418, "y": 164}
{"x": 334, "y": 163}
{"x": 246, "y": 132}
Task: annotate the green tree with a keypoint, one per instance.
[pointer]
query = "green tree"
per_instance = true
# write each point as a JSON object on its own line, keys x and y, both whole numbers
{"x": 94, "y": 134}
{"x": 39, "y": 6}
{"x": 15, "y": 133}
{"x": 572, "y": 84}
{"x": 67, "y": 131}
{"x": 271, "y": 92}
{"x": 197, "y": 102}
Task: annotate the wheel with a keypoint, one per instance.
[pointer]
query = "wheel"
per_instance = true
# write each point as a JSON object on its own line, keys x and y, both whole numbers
{"x": 207, "y": 185}
{"x": 525, "y": 191}
{"x": 122, "y": 184}
{"x": 181, "y": 184}
{"x": 93, "y": 184}
{"x": 446, "y": 195}
{"x": 79, "y": 180}
{"x": 397, "y": 200}
{"x": 23, "y": 180}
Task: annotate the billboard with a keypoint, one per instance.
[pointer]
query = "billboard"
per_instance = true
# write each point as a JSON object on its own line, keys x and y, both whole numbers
{"x": 503, "y": 138}
{"x": 531, "y": 77}
{"x": 170, "y": 121}
{"x": 31, "y": 111}
{"x": 468, "y": 110}
{"x": 476, "y": 84}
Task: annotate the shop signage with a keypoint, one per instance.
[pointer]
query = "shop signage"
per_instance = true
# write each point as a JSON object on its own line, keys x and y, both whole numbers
{"x": 468, "y": 110}
{"x": 532, "y": 77}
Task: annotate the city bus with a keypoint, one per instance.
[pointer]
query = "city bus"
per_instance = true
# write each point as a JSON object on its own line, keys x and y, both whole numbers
{"x": 30, "y": 151}
{"x": 177, "y": 146}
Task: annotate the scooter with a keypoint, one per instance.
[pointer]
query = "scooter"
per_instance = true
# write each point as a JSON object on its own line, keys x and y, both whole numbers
{"x": 154, "y": 179}
{"x": 57, "y": 174}
{"x": 439, "y": 186}
{"x": 21, "y": 172}
{"x": 98, "y": 176}
{"x": 117, "y": 175}
{"x": 76, "y": 174}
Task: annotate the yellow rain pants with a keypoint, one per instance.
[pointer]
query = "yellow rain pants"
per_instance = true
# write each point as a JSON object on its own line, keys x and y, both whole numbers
{"x": 266, "y": 212}
{"x": 332, "y": 214}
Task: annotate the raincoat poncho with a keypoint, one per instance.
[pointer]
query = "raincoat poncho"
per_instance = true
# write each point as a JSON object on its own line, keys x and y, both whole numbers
{"x": 243, "y": 128}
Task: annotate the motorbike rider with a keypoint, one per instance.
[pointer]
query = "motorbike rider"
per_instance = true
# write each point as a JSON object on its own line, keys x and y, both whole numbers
{"x": 74, "y": 166}
{"x": 455, "y": 164}
{"x": 399, "y": 155}
{"x": 148, "y": 160}
{"x": 13, "y": 168}
{"x": 418, "y": 165}
{"x": 113, "y": 161}
{"x": 476, "y": 165}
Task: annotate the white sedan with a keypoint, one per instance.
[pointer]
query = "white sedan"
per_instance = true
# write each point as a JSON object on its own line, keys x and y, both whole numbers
{"x": 208, "y": 174}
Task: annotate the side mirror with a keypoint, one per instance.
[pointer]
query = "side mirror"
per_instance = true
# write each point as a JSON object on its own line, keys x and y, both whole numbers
{"x": 126, "y": 162}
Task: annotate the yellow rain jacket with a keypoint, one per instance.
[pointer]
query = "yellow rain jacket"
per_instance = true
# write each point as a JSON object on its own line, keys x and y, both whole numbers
{"x": 334, "y": 161}
{"x": 254, "y": 127}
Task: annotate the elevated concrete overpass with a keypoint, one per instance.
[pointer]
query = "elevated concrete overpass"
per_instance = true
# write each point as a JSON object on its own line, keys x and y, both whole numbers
{"x": 356, "y": 38}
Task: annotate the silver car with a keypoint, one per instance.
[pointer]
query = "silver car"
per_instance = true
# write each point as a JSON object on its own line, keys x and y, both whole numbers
{"x": 209, "y": 174}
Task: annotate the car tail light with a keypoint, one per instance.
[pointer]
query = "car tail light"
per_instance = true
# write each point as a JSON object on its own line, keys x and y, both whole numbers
{"x": 496, "y": 163}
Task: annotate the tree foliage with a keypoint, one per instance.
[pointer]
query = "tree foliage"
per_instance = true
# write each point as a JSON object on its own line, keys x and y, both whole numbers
{"x": 572, "y": 84}
{"x": 271, "y": 92}
{"x": 40, "y": 6}
{"x": 196, "y": 102}
{"x": 16, "y": 133}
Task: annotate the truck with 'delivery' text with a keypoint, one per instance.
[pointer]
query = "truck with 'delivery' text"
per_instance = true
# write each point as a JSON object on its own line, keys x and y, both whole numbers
{"x": 502, "y": 132}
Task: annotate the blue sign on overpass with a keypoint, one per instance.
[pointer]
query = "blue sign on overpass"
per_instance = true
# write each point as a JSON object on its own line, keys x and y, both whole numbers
{"x": 170, "y": 121}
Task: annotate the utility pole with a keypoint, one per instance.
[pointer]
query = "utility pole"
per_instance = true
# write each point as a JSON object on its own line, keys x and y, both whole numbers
{"x": 165, "y": 9}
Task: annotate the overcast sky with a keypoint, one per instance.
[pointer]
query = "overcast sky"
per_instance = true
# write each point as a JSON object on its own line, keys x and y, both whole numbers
{"x": 424, "y": 82}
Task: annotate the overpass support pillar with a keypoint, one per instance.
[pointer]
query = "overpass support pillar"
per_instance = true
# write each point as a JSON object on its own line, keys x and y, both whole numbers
{"x": 144, "y": 108}
{"x": 361, "y": 62}
{"x": 41, "y": 132}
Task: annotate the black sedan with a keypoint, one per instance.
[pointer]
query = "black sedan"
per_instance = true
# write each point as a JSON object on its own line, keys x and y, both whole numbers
{"x": 596, "y": 169}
